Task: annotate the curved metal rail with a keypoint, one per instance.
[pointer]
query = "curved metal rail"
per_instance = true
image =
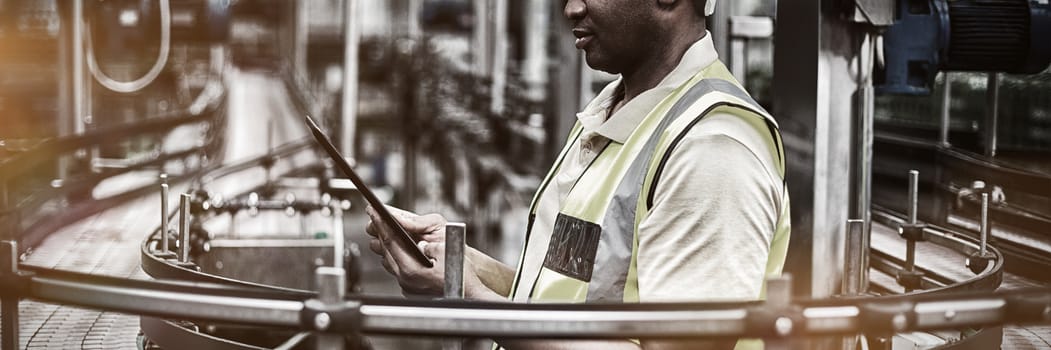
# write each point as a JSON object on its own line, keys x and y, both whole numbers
{"x": 953, "y": 164}
{"x": 33, "y": 232}
{"x": 769, "y": 320}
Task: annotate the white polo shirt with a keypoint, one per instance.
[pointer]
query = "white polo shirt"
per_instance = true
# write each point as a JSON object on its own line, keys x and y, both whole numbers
{"x": 715, "y": 210}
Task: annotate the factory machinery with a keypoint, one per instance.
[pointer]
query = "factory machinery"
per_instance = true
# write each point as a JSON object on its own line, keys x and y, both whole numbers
{"x": 251, "y": 255}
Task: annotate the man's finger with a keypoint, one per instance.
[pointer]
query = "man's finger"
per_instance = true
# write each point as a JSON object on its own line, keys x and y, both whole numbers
{"x": 434, "y": 250}
{"x": 370, "y": 228}
{"x": 376, "y": 246}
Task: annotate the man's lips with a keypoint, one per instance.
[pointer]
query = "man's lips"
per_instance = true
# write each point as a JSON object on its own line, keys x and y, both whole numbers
{"x": 584, "y": 36}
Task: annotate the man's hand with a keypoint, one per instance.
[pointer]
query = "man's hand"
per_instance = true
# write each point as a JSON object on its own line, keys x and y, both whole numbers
{"x": 413, "y": 277}
{"x": 429, "y": 230}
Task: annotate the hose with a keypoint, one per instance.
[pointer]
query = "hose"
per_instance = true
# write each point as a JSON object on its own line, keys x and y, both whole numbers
{"x": 151, "y": 75}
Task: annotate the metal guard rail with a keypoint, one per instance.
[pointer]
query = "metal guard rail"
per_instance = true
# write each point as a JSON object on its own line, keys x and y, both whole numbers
{"x": 935, "y": 283}
{"x": 447, "y": 318}
{"x": 251, "y": 306}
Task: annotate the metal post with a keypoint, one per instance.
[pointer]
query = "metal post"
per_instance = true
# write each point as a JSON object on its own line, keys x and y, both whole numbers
{"x": 943, "y": 136}
{"x": 992, "y": 113}
{"x": 499, "y": 64}
{"x": 779, "y": 296}
{"x": 337, "y": 234}
{"x": 351, "y": 38}
{"x": 984, "y": 239}
{"x": 184, "y": 228}
{"x": 455, "y": 237}
{"x": 9, "y": 304}
{"x": 855, "y": 272}
{"x": 863, "y": 160}
{"x": 534, "y": 66}
{"x": 164, "y": 214}
{"x": 855, "y": 267}
{"x": 910, "y": 245}
{"x": 331, "y": 287}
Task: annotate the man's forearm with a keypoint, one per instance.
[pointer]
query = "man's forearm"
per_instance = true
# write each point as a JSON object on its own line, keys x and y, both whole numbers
{"x": 497, "y": 276}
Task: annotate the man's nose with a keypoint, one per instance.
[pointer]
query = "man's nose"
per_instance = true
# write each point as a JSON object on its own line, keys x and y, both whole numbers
{"x": 575, "y": 10}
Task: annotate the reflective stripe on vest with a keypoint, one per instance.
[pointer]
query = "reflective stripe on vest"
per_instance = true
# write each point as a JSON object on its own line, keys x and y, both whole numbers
{"x": 589, "y": 262}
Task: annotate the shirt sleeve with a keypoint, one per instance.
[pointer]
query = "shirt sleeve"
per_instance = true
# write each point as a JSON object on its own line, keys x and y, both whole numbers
{"x": 707, "y": 236}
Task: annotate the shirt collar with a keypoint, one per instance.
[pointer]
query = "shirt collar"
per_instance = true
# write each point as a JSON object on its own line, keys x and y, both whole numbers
{"x": 620, "y": 126}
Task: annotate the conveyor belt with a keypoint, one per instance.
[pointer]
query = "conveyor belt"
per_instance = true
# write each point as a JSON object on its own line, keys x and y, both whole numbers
{"x": 950, "y": 264}
{"x": 108, "y": 243}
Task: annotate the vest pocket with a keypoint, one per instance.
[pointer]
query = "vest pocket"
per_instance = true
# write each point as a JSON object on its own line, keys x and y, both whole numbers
{"x": 574, "y": 243}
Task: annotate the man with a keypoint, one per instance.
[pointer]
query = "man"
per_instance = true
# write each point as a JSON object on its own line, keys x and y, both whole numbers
{"x": 670, "y": 187}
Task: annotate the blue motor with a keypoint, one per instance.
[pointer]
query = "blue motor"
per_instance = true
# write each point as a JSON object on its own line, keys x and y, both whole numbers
{"x": 929, "y": 36}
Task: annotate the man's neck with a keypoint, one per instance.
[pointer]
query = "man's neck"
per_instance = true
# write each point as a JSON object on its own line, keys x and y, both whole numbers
{"x": 650, "y": 72}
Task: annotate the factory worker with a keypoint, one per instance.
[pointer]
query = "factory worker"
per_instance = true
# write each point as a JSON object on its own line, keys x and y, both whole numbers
{"x": 670, "y": 186}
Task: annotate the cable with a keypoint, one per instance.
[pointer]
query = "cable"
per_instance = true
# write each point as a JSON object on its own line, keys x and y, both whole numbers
{"x": 151, "y": 75}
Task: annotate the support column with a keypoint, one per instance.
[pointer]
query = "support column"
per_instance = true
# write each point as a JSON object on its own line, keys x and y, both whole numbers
{"x": 813, "y": 100}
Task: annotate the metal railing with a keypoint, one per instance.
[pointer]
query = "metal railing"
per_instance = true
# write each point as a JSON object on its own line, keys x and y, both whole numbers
{"x": 771, "y": 319}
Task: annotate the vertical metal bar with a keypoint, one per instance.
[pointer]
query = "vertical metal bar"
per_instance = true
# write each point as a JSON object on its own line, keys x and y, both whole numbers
{"x": 536, "y": 53}
{"x": 863, "y": 163}
{"x": 946, "y": 121}
{"x": 855, "y": 272}
{"x": 914, "y": 189}
{"x": 480, "y": 38}
{"x": 984, "y": 230}
{"x": 164, "y": 219}
{"x": 737, "y": 57}
{"x": 854, "y": 267}
{"x": 331, "y": 288}
{"x": 184, "y": 228}
{"x": 779, "y": 296}
{"x": 9, "y": 304}
{"x": 455, "y": 237}
{"x": 910, "y": 245}
{"x": 165, "y": 248}
{"x": 500, "y": 47}
{"x": 337, "y": 234}
{"x": 351, "y": 38}
{"x": 992, "y": 113}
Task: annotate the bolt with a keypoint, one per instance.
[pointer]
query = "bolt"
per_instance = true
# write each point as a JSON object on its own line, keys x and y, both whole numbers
{"x": 899, "y": 322}
{"x": 1047, "y": 313}
{"x": 783, "y": 326}
{"x": 950, "y": 314}
{"x": 322, "y": 321}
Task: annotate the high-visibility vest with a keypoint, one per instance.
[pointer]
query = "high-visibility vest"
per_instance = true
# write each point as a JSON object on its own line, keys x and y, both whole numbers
{"x": 593, "y": 249}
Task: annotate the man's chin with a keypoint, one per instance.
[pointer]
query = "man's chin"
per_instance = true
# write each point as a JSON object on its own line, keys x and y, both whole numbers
{"x": 598, "y": 62}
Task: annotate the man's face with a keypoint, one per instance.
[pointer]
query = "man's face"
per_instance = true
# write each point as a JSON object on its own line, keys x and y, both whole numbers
{"x": 616, "y": 35}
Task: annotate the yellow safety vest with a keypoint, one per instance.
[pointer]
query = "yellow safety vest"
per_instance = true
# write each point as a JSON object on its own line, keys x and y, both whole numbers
{"x": 593, "y": 249}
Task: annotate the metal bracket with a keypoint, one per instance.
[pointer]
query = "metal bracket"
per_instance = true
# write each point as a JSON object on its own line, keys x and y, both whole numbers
{"x": 343, "y": 318}
{"x": 886, "y": 319}
{"x": 15, "y": 283}
{"x": 913, "y": 231}
{"x": 911, "y": 280}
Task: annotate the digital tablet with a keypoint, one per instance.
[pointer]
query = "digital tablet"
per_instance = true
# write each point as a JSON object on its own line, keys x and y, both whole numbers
{"x": 399, "y": 232}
